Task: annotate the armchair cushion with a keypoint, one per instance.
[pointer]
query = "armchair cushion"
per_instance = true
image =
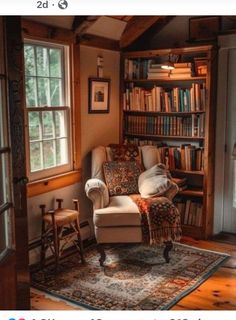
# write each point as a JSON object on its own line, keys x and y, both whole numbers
{"x": 121, "y": 177}
{"x": 121, "y": 211}
{"x": 154, "y": 181}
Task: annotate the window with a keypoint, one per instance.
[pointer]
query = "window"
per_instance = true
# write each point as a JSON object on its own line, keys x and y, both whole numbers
{"x": 48, "y": 109}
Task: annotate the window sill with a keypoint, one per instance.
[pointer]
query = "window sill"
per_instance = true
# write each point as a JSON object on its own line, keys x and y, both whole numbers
{"x": 53, "y": 183}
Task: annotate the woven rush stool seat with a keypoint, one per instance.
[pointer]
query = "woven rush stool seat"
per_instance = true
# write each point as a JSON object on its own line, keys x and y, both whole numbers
{"x": 62, "y": 217}
{"x": 57, "y": 226}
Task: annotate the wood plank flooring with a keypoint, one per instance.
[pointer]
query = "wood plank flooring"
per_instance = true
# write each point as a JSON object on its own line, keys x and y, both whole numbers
{"x": 217, "y": 293}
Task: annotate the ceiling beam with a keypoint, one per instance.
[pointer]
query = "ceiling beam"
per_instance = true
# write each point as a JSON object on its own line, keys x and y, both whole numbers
{"x": 82, "y": 23}
{"x": 98, "y": 42}
{"x": 78, "y": 20}
{"x": 140, "y": 28}
{"x": 135, "y": 28}
{"x": 145, "y": 40}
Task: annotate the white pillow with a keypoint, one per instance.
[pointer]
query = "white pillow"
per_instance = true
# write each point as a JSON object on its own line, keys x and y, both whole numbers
{"x": 154, "y": 181}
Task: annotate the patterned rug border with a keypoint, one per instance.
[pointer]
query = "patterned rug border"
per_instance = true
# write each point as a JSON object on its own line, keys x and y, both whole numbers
{"x": 223, "y": 256}
{"x": 180, "y": 296}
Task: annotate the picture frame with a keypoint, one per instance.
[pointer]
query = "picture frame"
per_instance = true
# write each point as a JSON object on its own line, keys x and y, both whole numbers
{"x": 204, "y": 28}
{"x": 99, "y": 95}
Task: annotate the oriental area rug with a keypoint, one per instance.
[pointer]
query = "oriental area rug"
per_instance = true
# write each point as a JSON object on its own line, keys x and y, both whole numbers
{"x": 135, "y": 277}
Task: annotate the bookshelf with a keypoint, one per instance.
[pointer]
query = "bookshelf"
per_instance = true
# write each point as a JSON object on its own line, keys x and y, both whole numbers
{"x": 174, "y": 110}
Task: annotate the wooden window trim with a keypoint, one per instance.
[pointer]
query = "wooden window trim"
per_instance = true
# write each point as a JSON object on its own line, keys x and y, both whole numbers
{"x": 38, "y": 187}
{"x": 37, "y": 31}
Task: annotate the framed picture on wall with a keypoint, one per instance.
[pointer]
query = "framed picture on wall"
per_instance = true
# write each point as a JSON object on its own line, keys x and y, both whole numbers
{"x": 99, "y": 95}
{"x": 204, "y": 28}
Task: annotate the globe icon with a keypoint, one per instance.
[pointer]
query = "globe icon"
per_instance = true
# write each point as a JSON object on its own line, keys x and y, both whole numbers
{"x": 62, "y": 4}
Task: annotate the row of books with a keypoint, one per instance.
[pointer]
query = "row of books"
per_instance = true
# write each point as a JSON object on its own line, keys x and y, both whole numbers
{"x": 141, "y": 141}
{"x": 191, "y": 212}
{"x": 185, "y": 157}
{"x": 159, "y": 99}
{"x": 188, "y": 126}
{"x": 181, "y": 71}
{"x": 150, "y": 69}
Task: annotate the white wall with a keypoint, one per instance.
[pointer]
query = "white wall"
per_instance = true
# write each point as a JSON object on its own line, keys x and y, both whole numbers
{"x": 97, "y": 129}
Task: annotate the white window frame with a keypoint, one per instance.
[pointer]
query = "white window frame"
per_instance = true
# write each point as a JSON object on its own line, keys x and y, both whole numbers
{"x": 66, "y": 96}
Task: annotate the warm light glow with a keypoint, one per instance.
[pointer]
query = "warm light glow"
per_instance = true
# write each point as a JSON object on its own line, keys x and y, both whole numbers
{"x": 168, "y": 66}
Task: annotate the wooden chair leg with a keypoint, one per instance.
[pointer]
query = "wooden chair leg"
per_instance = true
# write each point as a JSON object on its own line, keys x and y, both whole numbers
{"x": 168, "y": 247}
{"x": 80, "y": 243}
{"x": 43, "y": 248}
{"x": 101, "y": 251}
{"x": 55, "y": 238}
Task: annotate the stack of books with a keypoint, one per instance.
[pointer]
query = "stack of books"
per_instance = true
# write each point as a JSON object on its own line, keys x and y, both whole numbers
{"x": 156, "y": 72}
{"x": 182, "y": 70}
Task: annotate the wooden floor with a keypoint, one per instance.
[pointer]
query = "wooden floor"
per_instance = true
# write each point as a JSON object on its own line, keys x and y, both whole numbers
{"x": 217, "y": 293}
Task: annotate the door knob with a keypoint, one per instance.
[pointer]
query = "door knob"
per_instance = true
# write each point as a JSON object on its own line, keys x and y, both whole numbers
{"x": 234, "y": 152}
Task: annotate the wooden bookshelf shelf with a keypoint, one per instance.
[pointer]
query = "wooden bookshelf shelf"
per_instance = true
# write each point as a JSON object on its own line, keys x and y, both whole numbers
{"x": 165, "y": 80}
{"x": 153, "y": 113}
{"x": 175, "y": 112}
{"x": 201, "y": 173}
{"x": 158, "y": 137}
{"x": 191, "y": 193}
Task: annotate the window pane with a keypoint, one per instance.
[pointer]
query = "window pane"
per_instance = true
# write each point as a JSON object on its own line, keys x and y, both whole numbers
{"x": 34, "y": 126}
{"x": 55, "y": 62}
{"x": 43, "y": 94}
{"x": 35, "y": 156}
{"x": 49, "y": 154}
{"x": 30, "y": 91}
{"x": 62, "y": 151}
{"x": 1, "y": 118}
{"x": 48, "y": 125}
{"x": 3, "y": 233}
{"x": 4, "y": 180}
{"x": 55, "y": 92}
{"x": 42, "y": 62}
{"x": 60, "y": 121}
{"x": 6, "y": 234}
{"x": 30, "y": 69}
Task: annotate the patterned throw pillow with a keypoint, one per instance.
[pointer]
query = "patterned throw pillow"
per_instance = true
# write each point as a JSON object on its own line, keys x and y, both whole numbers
{"x": 125, "y": 152}
{"x": 121, "y": 177}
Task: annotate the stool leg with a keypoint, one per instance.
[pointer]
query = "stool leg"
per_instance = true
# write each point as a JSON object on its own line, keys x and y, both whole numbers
{"x": 80, "y": 243}
{"x": 55, "y": 238}
{"x": 42, "y": 259}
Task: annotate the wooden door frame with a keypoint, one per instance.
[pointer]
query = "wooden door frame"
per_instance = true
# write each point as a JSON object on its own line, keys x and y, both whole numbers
{"x": 16, "y": 102}
{"x": 225, "y": 42}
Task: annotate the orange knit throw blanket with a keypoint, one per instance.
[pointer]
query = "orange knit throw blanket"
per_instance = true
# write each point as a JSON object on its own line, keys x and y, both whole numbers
{"x": 160, "y": 219}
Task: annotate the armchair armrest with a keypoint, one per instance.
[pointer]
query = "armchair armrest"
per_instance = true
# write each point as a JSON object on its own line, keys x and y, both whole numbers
{"x": 97, "y": 192}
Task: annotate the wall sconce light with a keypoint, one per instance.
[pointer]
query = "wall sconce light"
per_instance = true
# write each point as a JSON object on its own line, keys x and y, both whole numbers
{"x": 99, "y": 66}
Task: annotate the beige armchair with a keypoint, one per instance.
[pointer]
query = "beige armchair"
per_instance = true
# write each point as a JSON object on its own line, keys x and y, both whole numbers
{"x": 117, "y": 218}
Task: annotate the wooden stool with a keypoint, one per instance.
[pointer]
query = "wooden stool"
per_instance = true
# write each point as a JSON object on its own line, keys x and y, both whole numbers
{"x": 57, "y": 225}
